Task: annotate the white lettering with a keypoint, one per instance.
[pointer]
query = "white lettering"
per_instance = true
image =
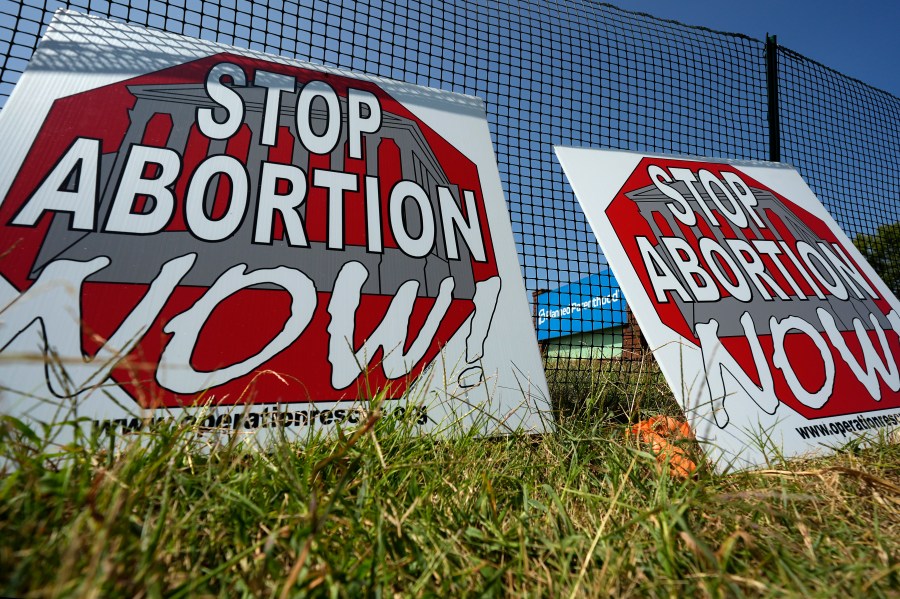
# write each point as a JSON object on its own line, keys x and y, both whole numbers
{"x": 811, "y": 399}
{"x": 175, "y": 372}
{"x": 681, "y": 209}
{"x": 417, "y": 247}
{"x": 874, "y": 366}
{"x": 53, "y": 302}
{"x": 275, "y": 85}
{"x": 325, "y": 142}
{"x": 770, "y": 249}
{"x": 452, "y": 220}
{"x": 661, "y": 276}
{"x": 70, "y": 187}
{"x": 338, "y": 184}
{"x": 122, "y": 218}
{"x": 226, "y": 98}
{"x": 743, "y": 194}
{"x": 687, "y": 177}
{"x": 718, "y": 362}
{"x": 755, "y": 268}
{"x": 847, "y": 270}
{"x": 288, "y": 204}
{"x": 390, "y": 336}
{"x": 700, "y": 282}
{"x": 824, "y": 273}
{"x": 716, "y": 189}
{"x": 714, "y": 254}
{"x": 374, "y": 241}
{"x": 357, "y": 123}
{"x": 201, "y": 225}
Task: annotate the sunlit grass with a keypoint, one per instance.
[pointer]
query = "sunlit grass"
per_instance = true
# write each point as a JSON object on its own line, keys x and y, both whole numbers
{"x": 379, "y": 510}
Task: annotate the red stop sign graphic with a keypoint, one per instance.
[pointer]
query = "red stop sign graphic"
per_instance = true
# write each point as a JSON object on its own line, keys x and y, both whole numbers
{"x": 368, "y": 203}
{"x": 711, "y": 245}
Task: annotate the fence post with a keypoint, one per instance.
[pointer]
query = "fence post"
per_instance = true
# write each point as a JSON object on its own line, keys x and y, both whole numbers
{"x": 772, "y": 93}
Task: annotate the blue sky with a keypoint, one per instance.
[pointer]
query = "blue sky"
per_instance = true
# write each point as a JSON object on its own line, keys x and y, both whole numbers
{"x": 859, "y": 38}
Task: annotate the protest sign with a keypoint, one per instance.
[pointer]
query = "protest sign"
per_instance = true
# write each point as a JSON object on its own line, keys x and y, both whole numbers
{"x": 770, "y": 327}
{"x": 188, "y": 223}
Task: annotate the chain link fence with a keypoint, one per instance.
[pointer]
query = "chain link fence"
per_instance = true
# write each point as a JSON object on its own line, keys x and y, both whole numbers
{"x": 574, "y": 73}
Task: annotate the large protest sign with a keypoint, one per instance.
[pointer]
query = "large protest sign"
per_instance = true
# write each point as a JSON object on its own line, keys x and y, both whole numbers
{"x": 184, "y": 222}
{"x": 770, "y": 327}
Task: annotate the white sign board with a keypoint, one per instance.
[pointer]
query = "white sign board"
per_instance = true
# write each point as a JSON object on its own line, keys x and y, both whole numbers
{"x": 185, "y": 223}
{"x": 770, "y": 327}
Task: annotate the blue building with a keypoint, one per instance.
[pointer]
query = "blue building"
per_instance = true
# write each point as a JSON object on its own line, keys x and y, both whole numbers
{"x": 586, "y": 319}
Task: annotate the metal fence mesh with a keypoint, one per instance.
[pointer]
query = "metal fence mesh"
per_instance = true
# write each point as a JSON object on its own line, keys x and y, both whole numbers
{"x": 573, "y": 73}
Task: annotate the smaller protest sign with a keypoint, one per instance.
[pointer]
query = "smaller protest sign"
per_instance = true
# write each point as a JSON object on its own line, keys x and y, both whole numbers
{"x": 770, "y": 327}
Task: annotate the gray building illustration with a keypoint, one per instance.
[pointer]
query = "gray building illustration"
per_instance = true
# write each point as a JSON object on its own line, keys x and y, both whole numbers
{"x": 138, "y": 258}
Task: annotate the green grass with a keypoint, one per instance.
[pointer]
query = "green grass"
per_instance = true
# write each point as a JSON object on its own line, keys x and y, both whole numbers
{"x": 622, "y": 390}
{"x": 580, "y": 512}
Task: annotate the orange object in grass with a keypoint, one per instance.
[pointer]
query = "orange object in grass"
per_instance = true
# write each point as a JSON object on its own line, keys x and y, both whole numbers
{"x": 662, "y": 433}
